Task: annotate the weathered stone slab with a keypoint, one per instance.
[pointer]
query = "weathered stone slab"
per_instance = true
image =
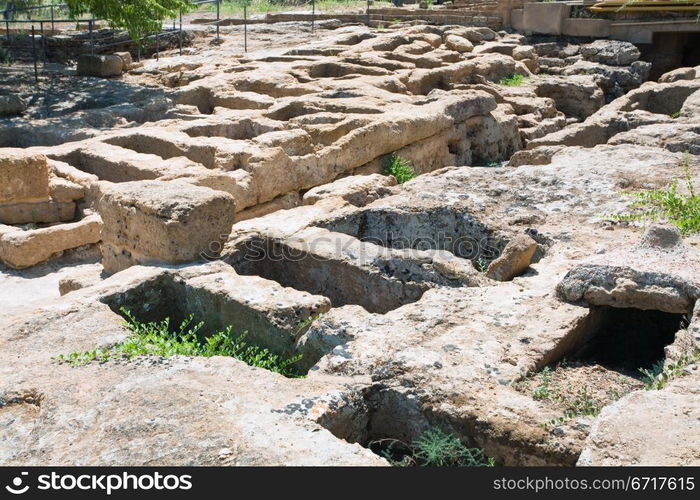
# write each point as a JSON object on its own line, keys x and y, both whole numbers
{"x": 24, "y": 177}
{"x": 162, "y": 222}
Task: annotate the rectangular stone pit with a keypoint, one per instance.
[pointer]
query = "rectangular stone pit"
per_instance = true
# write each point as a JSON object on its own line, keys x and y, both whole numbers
{"x": 449, "y": 228}
{"x": 156, "y": 222}
{"x": 349, "y": 271}
{"x": 271, "y": 315}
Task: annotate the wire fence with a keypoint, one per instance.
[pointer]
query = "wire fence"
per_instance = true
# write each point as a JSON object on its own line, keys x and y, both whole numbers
{"x": 30, "y": 30}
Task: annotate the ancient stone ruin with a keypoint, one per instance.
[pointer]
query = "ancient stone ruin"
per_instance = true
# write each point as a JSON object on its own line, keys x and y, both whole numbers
{"x": 500, "y": 295}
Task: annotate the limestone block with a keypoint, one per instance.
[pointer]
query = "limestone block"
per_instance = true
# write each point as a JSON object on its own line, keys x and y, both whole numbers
{"x": 455, "y": 42}
{"x": 126, "y": 58}
{"x": 162, "y": 222}
{"x": 545, "y": 18}
{"x": 37, "y": 212}
{"x": 514, "y": 260}
{"x": 357, "y": 189}
{"x": 63, "y": 190}
{"x": 24, "y": 177}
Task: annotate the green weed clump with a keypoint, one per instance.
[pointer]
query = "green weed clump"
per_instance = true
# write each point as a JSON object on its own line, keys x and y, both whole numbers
{"x": 680, "y": 209}
{"x": 434, "y": 448}
{"x": 661, "y": 373}
{"x": 400, "y": 168}
{"x": 158, "y": 339}
{"x": 513, "y": 80}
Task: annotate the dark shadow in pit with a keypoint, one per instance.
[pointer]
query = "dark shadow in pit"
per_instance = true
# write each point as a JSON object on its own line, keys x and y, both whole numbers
{"x": 669, "y": 51}
{"x": 342, "y": 281}
{"x": 619, "y": 339}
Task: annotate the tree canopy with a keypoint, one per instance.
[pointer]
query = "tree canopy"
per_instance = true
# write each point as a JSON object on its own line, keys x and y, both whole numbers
{"x": 138, "y": 17}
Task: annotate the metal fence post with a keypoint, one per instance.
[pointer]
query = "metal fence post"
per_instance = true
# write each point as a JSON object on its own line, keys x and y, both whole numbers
{"x": 36, "y": 71}
{"x": 180, "y": 32}
{"x": 368, "y": 13}
{"x": 43, "y": 41}
{"x": 245, "y": 28}
{"x": 218, "y": 18}
{"x": 157, "y": 46}
{"x": 53, "y": 27}
{"x": 92, "y": 38}
{"x": 313, "y": 13}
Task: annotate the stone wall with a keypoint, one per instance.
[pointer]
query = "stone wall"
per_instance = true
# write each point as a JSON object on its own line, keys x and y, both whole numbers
{"x": 68, "y": 46}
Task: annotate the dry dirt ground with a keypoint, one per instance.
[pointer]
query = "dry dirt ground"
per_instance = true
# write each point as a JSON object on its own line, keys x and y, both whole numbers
{"x": 492, "y": 296}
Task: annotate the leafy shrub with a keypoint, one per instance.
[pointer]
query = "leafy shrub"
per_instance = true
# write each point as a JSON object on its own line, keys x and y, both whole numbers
{"x": 400, "y": 168}
{"x": 682, "y": 210}
{"x": 158, "y": 339}
{"x": 513, "y": 80}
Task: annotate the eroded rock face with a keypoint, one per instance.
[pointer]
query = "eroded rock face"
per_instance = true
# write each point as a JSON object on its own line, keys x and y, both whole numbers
{"x": 612, "y": 52}
{"x": 656, "y": 114}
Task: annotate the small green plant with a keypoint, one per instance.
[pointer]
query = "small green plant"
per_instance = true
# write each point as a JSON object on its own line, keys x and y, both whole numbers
{"x": 481, "y": 264}
{"x": 380, "y": 27}
{"x": 543, "y": 391}
{"x": 434, "y": 448}
{"x": 661, "y": 373}
{"x": 675, "y": 115}
{"x": 682, "y": 210}
{"x": 513, "y": 80}
{"x": 400, "y": 168}
{"x": 305, "y": 324}
{"x": 575, "y": 404}
{"x": 159, "y": 339}
{"x": 650, "y": 375}
{"x": 583, "y": 404}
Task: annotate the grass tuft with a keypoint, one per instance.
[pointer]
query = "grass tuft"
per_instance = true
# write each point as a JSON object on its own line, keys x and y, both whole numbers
{"x": 159, "y": 339}
{"x": 400, "y": 168}
{"x": 680, "y": 209}
{"x": 434, "y": 448}
{"x": 513, "y": 80}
